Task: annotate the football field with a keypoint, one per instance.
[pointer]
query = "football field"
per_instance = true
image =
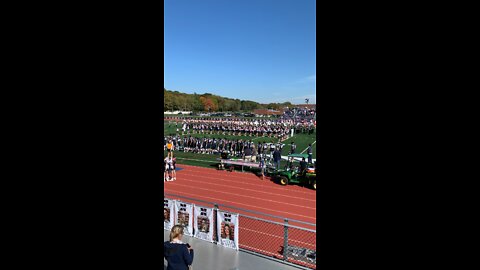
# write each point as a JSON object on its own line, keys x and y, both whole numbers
{"x": 205, "y": 160}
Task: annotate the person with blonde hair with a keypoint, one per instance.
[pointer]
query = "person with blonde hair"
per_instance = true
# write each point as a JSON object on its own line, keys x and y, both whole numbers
{"x": 178, "y": 254}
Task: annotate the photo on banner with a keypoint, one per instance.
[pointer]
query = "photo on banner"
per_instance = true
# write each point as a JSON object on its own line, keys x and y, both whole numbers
{"x": 227, "y": 227}
{"x": 203, "y": 223}
{"x": 168, "y": 214}
{"x": 184, "y": 217}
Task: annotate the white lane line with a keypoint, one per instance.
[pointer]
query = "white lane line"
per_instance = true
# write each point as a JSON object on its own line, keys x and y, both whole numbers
{"x": 245, "y": 196}
{"x": 307, "y": 147}
{"x": 255, "y": 190}
{"x": 217, "y": 200}
{"x": 244, "y": 183}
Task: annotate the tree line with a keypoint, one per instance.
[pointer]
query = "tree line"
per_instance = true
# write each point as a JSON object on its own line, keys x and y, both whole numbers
{"x": 176, "y": 101}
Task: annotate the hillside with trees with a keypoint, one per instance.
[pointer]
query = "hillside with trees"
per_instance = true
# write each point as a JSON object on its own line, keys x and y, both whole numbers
{"x": 174, "y": 100}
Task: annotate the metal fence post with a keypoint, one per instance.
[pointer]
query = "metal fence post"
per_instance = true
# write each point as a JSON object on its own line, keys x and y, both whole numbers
{"x": 215, "y": 237}
{"x": 285, "y": 240}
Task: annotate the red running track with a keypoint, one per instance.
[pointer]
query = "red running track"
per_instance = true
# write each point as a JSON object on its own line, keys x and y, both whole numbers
{"x": 245, "y": 190}
{"x": 248, "y": 191}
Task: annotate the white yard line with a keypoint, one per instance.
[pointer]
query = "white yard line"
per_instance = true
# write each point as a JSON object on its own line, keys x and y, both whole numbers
{"x": 307, "y": 147}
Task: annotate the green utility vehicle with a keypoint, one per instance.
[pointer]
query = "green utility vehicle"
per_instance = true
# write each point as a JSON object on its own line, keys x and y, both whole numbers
{"x": 292, "y": 174}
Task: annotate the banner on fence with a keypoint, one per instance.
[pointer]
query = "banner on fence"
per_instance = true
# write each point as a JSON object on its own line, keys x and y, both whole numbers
{"x": 184, "y": 217}
{"x": 168, "y": 214}
{"x": 203, "y": 223}
{"x": 227, "y": 228}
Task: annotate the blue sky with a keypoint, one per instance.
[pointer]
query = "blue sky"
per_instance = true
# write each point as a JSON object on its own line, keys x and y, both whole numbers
{"x": 260, "y": 50}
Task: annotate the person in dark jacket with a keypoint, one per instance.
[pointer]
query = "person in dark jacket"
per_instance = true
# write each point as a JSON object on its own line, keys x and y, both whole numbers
{"x": 277, "y": 157}
{"x": 303, "y": 167}
{"x": 178, "y": 255}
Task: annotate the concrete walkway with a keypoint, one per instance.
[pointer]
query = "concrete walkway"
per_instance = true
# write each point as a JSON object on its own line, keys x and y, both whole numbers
{"x": 209, "y": 256}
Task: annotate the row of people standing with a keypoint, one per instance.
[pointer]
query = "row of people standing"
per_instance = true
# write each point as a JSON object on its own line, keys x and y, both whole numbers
{"x": 218, "y": 145}
{"x": 237, "y": 127}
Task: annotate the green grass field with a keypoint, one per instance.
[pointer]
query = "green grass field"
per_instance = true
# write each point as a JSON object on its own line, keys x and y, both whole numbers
{"x": 204, "y": 160}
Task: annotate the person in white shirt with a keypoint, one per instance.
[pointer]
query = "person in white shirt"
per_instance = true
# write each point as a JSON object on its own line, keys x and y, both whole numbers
{"x": 169, "y": 168}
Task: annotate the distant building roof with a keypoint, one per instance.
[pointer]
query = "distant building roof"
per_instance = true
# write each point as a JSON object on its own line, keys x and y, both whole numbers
{"x": 309, "y": 106}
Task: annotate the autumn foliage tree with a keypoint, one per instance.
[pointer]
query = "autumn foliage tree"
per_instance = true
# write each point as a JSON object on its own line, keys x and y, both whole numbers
{"x": 208, "y": 104}
{"x": 174, "y": 100}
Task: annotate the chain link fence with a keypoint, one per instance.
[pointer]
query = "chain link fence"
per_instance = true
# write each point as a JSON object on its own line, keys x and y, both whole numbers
{"x": 273, "y": 237}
